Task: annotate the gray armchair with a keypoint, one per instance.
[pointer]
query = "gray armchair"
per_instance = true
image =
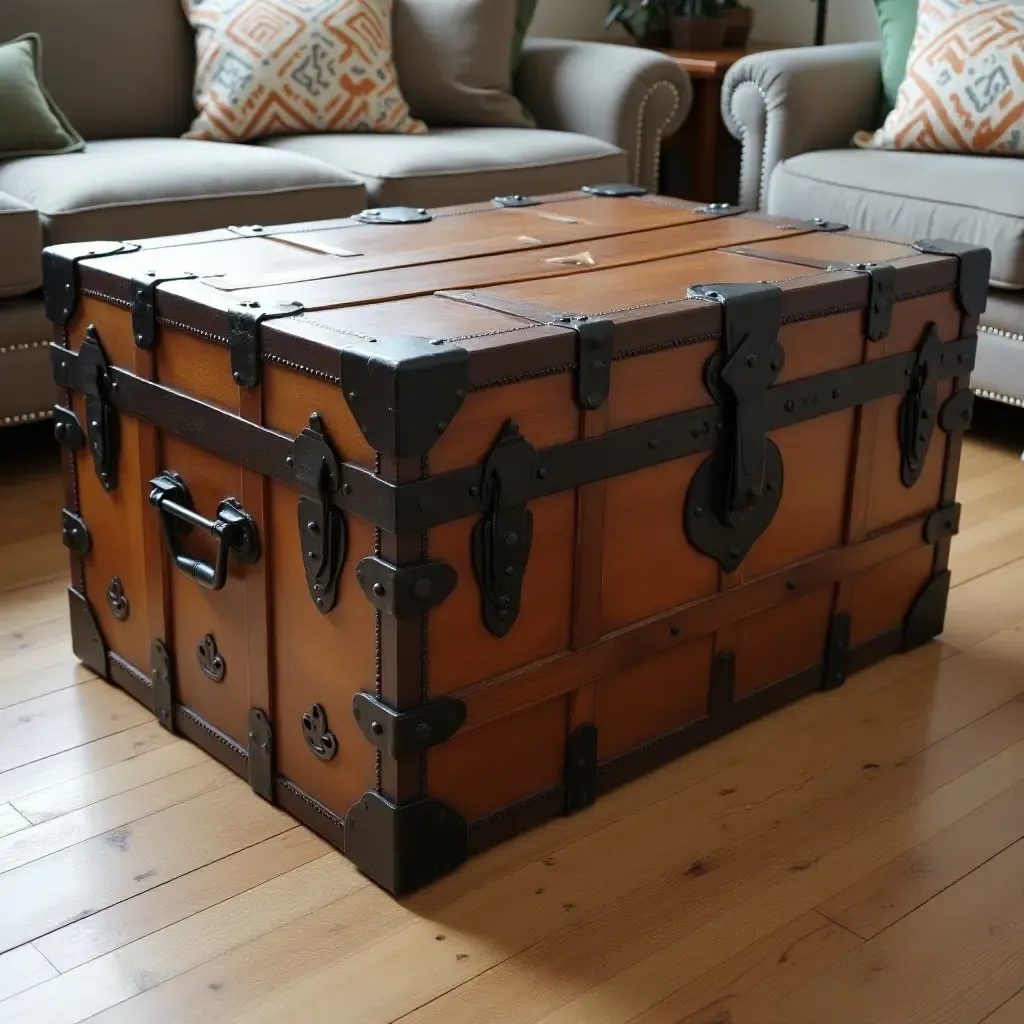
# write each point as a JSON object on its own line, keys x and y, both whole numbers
{"x": 795, "y": 112}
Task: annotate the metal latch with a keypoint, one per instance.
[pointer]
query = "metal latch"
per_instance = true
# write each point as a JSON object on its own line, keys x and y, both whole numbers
{"x": 502, "y": 538}
{"x": 144, "y": 305}
{"x": 514, "y": 201}
{"x": 394, "y": 215}
{"x": 102, "y": 423}
{"x": 919, "y": 409}
{"x": 75, "y": 534}
{"x": 243, "y": 336}
{"x": 881, "y": 294}
{"x": 404, "y": 590}
{"x": 615, "y": 190}
{"x": 594, "y": 345}
{"x": 322, "y": 531}
{"x": 401, "y": 733}
{"x": 735, "y": 492}
{"x": 718, "y": 209}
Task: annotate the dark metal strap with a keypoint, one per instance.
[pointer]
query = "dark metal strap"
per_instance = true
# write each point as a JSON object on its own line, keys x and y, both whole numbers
{"x": 60, "y": 274}
{"x": 144, "y": 304}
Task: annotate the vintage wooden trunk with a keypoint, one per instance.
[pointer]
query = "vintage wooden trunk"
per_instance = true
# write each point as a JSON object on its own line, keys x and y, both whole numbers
{"x": 434, "y": 525}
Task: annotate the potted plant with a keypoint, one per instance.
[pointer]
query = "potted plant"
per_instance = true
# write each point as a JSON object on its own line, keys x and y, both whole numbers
{"x": 698, "y": 25}
{"x": 645, "y": 20}
{"x": 740, "y": 20}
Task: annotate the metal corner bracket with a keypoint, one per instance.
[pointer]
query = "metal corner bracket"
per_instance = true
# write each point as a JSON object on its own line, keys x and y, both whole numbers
{"x": 402, "y": 733}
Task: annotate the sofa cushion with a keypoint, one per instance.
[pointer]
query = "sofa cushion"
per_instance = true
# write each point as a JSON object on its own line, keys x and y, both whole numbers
{"x": 999, "y": 366}
{"x": 454, "y": 60}
{"x": 21, "y": 240}
{"x": 974, "y": 199}
{"x": 117, "y": 68}
{"x": 140, "y": 188}
{"x": 463, "y": 165}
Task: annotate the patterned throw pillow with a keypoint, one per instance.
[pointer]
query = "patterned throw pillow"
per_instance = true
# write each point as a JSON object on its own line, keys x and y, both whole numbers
{"x": 964, "y": 87}
{"x": 295, "y": 67}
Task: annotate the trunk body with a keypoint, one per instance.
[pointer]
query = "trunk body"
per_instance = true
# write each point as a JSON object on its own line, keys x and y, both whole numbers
{"x": 436, "y": 525}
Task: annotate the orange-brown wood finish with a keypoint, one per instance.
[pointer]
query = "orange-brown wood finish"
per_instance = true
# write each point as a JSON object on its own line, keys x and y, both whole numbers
{"x": 623, "y": 622}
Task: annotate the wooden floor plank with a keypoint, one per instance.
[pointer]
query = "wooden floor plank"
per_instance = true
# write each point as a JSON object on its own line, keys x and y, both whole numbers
{"x": 1011, "y": 1012}
{"x": 882, "y": 898}
{"x": 59, "y": 721}
{"x": 180, "y": 898}
{"x": 958, "y": 958}
{"x": 116, "y": 812}
{"x": 52, "y": 655}
{"x": 757, "y": 975}
{"x": 27, "y": 686}
{"x": 76, "y": 883}
{"x": 985, "y": 605}
{"x": 11, "y": 820}
{"x": 139, "y": 771}
{"x": 607, "y": 881}
{"x": 153, "y": 960}
{"x": 90, "y": 757}
{"x": 22, "y": 968}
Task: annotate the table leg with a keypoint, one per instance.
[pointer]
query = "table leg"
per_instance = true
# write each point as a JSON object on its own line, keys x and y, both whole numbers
{"x": 707, "y": 125}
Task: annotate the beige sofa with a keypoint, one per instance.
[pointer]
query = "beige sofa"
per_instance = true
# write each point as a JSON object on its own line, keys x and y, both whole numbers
{"x": 121, "y": 70}
{"x": 795, "y": 111}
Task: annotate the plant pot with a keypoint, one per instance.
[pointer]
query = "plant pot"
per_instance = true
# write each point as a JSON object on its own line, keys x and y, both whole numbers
{"x": 739, "y": 22}
{"x": 698, "y": 33}
{"x": 656, "y": 39}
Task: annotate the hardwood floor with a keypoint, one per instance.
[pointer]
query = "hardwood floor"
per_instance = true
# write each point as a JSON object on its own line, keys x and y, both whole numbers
{"x": 854, "y": 859}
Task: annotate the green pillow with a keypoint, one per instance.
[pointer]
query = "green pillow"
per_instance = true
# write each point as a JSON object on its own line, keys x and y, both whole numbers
{"x": 31, "y": 124}
{"x": 524, "y": 15}
{"x": 897, "y": 20}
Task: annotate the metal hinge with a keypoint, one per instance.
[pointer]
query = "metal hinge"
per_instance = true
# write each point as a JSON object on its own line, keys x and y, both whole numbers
{"x": 957, "y": 411}
{"x": 615, "y": 190}
{"x": 919, "y": 409}
{"x": 735, "y": 493}
{"x": 942, "y": 523}
{"x": 261, "y": 754}
{"x": 401, "y": 733}
{"x": 580, "y": 775}
{"x": 881, "y": 294}
{"x": 403, "y": 847}
{"x": 161, "y": 675}
{"x": 394, "y": 215}
{"x": 103, "y": 427}
{"x": 502, "y": 538}
{"x": 818, "y": 224}
{"x": 514, "y": 201}
{"x": 837, "y": 652}
{"x": 322, "y": 531}
{"x": 66, "y": 428}
{"x": 973, "y": 273}
{"x": 594, "y": 344}
{"x": 144, "y": 305}
{"x": 75, "y": 534}
{"x": 403, "y": 590}
{"x": 60, "y": 274}
{"x": 243, "y": 336}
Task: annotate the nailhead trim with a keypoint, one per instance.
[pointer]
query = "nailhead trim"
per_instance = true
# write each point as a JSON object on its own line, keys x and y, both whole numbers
{"x": 1005, "y": 399}
{"x": 656, "y": 141}
{"x": 28, "y": 417}
{"x": 1001, "y": 334}
{"x": 23, "y": 347}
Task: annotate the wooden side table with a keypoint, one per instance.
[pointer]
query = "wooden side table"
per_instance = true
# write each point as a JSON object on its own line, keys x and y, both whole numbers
{"x": 702, "y": 133}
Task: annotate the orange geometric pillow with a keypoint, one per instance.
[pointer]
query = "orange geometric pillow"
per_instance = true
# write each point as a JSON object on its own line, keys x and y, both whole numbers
{"x": 964, "y": 87}
{"x": 290, "y": 67}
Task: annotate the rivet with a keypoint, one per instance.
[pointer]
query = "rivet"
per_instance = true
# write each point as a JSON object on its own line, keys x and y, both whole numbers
{"x": 791, "y": 584}
{"x": 674, "y": 630}
{"x": 289, "y": 461}
{"x": 474, "y": 491}
{"x": 319, "y": 602}
{"x": 511, "y": 538}
{"x": 310, "y": 555}
{"x": 440, "y": 426}
{"x": 652, "y": 443}
{"x": 460, "y": 394}
{"x": 422, "y": 588}
{"x": 379, "y": 589}
{"x": 698, "y": 510}
{"x": 776, "y": 364}
{"x": 751, "y": 361}
{"x": 423, "y": 730}
{"x": 376, "y": 728}
{"x": 351, "y": 396}
{"x": 237, "y": 377}
{"x": 509, "y": 570}
{"x": 734, "y": 552}
{"x": 541, "y": 472}
{"x": 789, "y": 406}
{"x": 313, "y": 527}
{"x": 346, "y": 488}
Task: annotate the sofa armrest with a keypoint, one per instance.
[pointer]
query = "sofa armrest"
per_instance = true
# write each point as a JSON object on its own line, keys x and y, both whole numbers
{"x": 624, "y": 95}
{"x": 784, "y": 102}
